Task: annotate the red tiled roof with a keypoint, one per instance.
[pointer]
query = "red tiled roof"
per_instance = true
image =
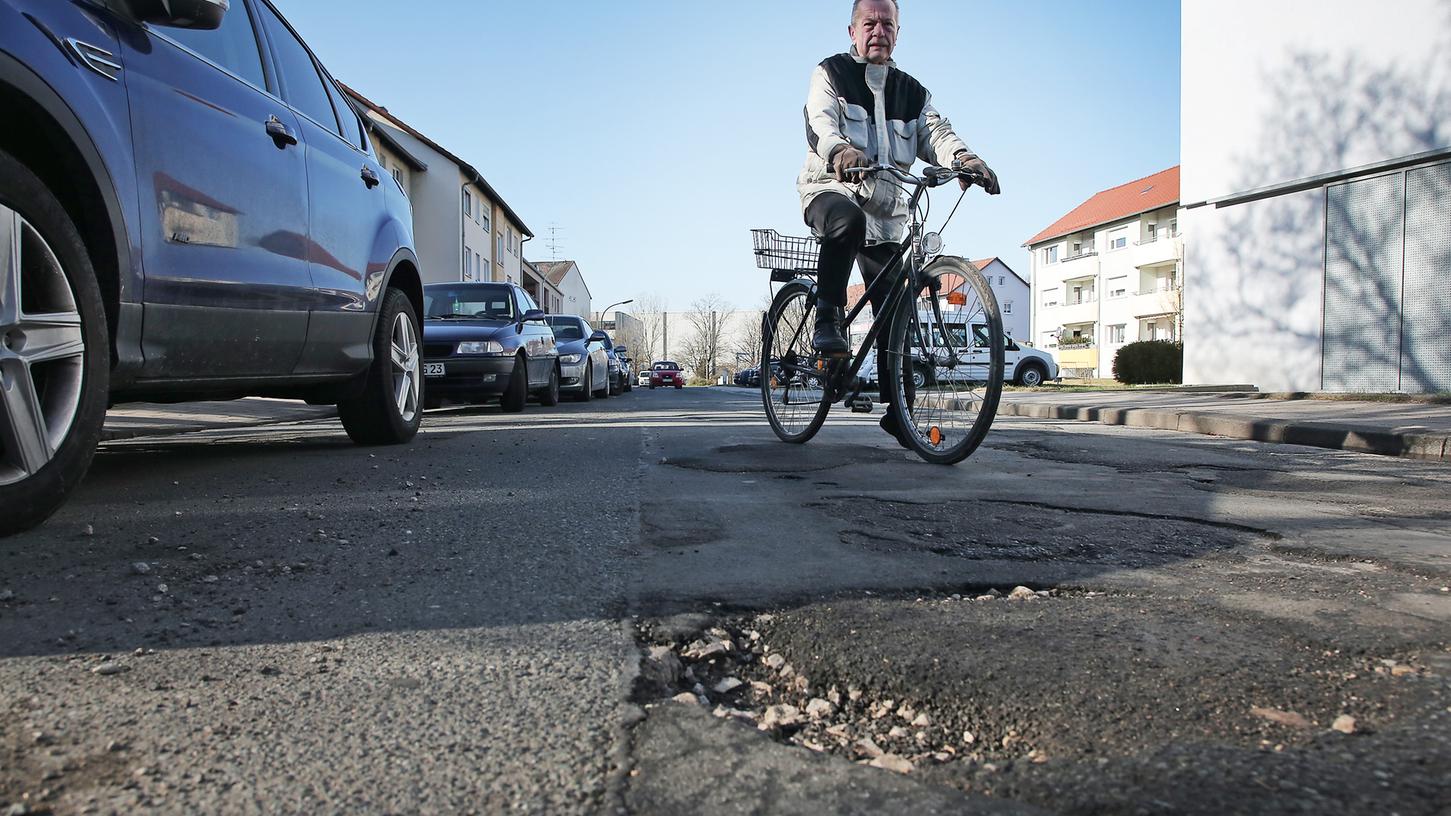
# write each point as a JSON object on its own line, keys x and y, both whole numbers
{"x": 1140, "y": 196}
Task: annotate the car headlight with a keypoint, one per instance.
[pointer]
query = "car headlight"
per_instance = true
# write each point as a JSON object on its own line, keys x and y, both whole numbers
{"x": 481, "y": 347}
{"x": 570, "y": 359}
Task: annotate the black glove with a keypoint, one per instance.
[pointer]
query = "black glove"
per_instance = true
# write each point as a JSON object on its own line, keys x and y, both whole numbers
{"x": 989, "y": 180}
{"x": 847, "y": 157}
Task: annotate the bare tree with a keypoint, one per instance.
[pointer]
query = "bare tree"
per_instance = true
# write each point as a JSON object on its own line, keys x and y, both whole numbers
{"x": 705, "y": 344}
{"x": 749, "y": 338}
{"x": 650, "y": 309}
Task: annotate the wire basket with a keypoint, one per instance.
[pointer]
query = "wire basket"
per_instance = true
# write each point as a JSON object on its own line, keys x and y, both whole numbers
{"x": 785, "y": 255}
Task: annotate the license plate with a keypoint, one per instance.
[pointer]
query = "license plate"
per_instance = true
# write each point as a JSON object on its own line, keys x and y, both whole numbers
{"x": 433, "y": 370}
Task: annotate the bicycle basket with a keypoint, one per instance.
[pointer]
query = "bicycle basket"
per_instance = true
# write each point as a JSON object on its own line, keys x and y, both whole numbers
{"x": 786, "y": 256}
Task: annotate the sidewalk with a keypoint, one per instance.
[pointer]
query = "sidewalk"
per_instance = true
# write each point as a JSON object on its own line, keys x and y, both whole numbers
{"x": 1417, "y": 430}
{"x": 131, "y": 420}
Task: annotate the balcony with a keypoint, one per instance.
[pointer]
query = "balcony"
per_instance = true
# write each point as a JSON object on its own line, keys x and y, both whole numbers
{"x": 1078, "y": 357}
{"x": 1082, "y": 265}
{"x": 1085, "y": 311}
{"x": 1163, "y": 248}
{"x": 1153, "y": 302}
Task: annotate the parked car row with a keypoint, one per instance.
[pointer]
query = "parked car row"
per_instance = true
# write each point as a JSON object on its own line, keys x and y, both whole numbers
{"x": 491, "y": 340}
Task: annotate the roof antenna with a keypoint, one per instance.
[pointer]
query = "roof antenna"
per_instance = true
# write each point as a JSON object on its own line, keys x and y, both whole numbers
{"x": 553, "y": 241}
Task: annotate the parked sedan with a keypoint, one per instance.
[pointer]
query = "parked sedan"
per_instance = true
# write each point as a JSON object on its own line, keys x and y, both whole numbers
{"x": 584, "y": 365}
{"x": 666, "y": 372}
{"x": 482, "y": 340}
{"x": 643, "y": 378}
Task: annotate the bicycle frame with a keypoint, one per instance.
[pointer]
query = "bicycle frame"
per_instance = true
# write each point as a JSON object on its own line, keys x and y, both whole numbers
{"x": 894, "y": 274}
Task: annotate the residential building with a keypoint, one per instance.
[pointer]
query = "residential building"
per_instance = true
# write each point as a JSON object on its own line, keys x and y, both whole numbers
{"x": 462, "y": 227}
{"x": 1012, "y": 292}
{"x": 569, "y": 281}
{"x": 1317, "y": 189}
{"x": 1109, "y": 273}
{"x": 539, "y": 287}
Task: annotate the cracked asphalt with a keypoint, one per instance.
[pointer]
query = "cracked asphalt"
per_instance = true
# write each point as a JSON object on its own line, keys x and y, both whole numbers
{"x": 274, "y": 621}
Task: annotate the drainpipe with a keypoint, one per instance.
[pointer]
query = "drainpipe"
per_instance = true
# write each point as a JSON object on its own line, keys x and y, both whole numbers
{"x": 522, "y": 242}
{"x": 462, "y": 236}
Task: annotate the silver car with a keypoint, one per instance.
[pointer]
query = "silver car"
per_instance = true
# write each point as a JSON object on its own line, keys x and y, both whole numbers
{"x": 584, "y": 365}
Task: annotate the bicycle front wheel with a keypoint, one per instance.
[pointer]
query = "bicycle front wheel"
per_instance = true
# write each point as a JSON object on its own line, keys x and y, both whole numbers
{"x": 945, "y": 362}
{"x": 793, "y": 375}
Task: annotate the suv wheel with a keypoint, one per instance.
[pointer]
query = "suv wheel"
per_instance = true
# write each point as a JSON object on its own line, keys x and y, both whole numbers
{"x": 54, "y": 356}
{"x": 389, "y": 410}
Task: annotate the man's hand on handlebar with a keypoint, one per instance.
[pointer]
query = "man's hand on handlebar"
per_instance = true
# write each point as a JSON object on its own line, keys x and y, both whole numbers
{"x": 846, "y": 158}
{"x": 985, "y": 175}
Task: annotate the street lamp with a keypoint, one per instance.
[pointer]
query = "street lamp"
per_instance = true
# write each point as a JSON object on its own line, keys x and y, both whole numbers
{"x": 607, "y": 309}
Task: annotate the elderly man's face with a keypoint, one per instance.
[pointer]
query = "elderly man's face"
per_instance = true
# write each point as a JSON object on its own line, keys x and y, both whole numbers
{"x": 874, "y": 30}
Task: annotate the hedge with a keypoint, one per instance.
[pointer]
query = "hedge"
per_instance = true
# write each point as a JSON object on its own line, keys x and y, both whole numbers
{"x": 1149, "y": 361}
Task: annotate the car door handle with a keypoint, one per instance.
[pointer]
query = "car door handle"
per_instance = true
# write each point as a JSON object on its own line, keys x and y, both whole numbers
{"x": 370, "y": 178}
{"x": 279, "y": 133}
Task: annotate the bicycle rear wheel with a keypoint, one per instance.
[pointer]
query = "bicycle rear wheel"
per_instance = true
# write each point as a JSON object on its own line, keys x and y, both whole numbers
{"x": 793, "y": 379}
{"x": 945, "y": 363}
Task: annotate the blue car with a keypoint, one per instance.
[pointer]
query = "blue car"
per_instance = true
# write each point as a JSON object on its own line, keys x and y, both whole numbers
{"x": 198, "y": 213}
{"x": 485, "y": 340}
{"x": 584, "y": 364}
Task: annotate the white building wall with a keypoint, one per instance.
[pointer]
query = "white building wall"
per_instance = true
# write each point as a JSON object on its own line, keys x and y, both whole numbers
{"x": 1014, "y": 299}
{"x": 1274, "y": 93}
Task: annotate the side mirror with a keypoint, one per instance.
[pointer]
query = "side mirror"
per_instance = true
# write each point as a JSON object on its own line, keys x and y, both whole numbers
{"x": 534, "y": 316}
{"x": 199, "y": 14}
{"x": 599, "y": 336}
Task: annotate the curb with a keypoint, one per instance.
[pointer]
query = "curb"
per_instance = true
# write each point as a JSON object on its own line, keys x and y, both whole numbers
{"x": 1413, "y": 444}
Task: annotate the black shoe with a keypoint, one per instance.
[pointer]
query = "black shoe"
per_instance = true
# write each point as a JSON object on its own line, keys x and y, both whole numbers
{"x": 827, "y": 338}
{"x": 889, "y": 424}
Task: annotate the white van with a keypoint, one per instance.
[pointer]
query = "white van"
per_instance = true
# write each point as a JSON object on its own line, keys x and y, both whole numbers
{"x": 1022, "y": 365}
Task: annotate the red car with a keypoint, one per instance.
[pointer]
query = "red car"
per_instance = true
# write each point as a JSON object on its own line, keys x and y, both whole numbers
{"x": 666, "y": 373}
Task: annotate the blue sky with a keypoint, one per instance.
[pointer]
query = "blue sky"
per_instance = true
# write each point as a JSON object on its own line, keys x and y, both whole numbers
{"x": 656, "y": 133}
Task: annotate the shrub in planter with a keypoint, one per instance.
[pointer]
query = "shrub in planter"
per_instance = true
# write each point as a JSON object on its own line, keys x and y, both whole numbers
{"x": 1149, "y": 361}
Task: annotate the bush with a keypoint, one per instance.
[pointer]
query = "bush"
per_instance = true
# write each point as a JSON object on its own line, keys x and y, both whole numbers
{"x": 1149, "y": 361}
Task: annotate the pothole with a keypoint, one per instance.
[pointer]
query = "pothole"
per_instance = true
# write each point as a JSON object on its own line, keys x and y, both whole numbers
{"x": 1084, "y": 701}
{"x": 1027, "y": 531}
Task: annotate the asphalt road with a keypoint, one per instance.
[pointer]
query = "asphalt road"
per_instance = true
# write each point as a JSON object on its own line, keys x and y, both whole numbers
{"x": 274, "y": 620}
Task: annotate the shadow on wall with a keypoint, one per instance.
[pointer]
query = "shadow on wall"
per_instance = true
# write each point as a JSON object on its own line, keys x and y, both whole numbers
{"x": 1262, "y": 265}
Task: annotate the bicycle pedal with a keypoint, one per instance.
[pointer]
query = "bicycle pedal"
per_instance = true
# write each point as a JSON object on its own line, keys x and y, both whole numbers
{"x": 860, "y": 404}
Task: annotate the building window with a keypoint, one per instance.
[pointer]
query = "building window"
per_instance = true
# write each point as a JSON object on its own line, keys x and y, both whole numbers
{"x": 468, "y": 204}
{"x": 1050, "y": 254}
{"x": 1116, "y": 333}
{"x": 484, "y": 220}
{"x": 1050, "y": 297}
{"x": 1002, "y": 279}
{"x": 499, "y": 246}
{"x": 1118, "y": 239}
{"x": 479, "y": 264}
{"x": 468, "y": 264}
{"x": 1007, "y": 307}
{"x": 1173, "y": 227}
{"x": 398, "y": 176}
{"x": 1118, "y": 287}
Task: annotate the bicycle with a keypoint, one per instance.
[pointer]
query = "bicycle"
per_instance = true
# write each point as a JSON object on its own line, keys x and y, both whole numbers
{"x": 945, "y": 372}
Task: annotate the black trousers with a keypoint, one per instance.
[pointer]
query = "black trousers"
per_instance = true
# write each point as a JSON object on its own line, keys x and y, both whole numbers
{"x": 842, "y": 227}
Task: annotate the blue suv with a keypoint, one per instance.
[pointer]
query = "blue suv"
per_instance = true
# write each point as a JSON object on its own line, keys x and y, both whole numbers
{"x": 189, "y": 209}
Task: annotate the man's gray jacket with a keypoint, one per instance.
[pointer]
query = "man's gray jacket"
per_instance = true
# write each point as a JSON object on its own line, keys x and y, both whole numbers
{"x": 887, "y": 115}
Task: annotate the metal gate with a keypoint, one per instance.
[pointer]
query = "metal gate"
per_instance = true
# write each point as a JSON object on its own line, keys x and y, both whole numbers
{"x": 1387, "y": 308}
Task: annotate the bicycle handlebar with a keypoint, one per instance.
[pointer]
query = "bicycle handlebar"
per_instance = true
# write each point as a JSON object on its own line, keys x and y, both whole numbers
{"x": 932, "y": 176}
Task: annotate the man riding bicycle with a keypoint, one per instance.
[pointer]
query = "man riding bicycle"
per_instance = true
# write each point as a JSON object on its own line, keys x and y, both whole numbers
{"x": 862, "y": 111}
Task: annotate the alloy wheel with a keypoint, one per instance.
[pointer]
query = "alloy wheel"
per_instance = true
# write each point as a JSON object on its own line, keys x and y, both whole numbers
{"x": 406, "y": 365}
{"x": 42, "y": 350}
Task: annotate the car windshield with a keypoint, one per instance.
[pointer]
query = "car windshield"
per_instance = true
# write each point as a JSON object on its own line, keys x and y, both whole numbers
{"x": 566, "y": 328}
{"x": 666, "y": 367}
{"x": 467, "y": 301}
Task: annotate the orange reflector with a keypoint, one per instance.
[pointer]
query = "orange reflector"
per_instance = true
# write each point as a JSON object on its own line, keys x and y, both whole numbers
{"x": 956, "y": 299}
{"x": 935, "y": 435}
